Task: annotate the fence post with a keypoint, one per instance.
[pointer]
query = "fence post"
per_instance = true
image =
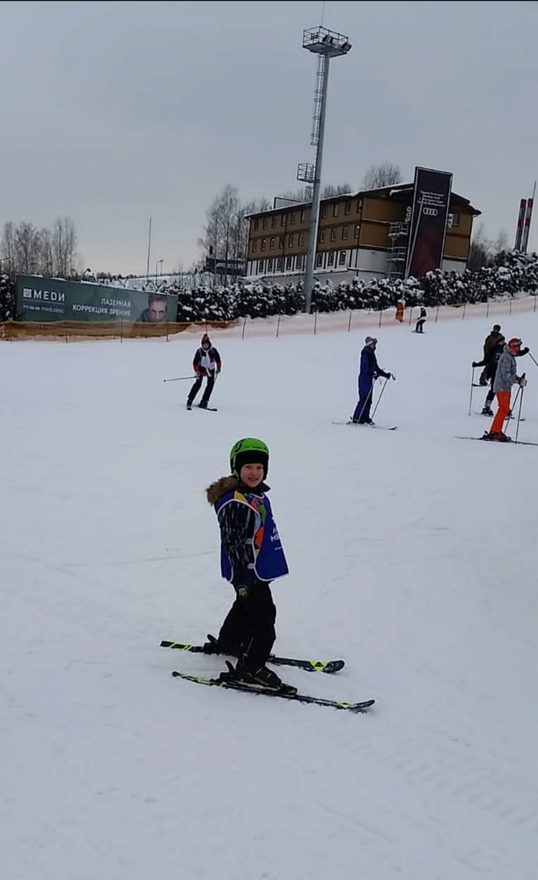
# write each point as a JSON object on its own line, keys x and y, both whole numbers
{"x": 511, "y": 301}
{"x": 244, "y": 325}
{"x": 315, "y": 322}
{"x": 380, "y": 316}
{"x": 463, "y": 313}
{"x": 487, "y": 308}
{"x": 534, "y": 309}
{"x": 278, "y": 327}
{"x": 351, "y": 315}
{"x": 410, "y": 314}
{"x": 437, "y": 313}
{"x": 66, "y": 338}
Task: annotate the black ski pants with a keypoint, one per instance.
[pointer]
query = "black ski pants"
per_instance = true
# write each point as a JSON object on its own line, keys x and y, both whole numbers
{"x": 248, "y": 631}
{"x": 196, "y": 387}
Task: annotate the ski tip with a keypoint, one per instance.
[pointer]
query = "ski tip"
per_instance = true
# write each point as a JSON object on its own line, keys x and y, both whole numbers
{"x": 359, "y": 707}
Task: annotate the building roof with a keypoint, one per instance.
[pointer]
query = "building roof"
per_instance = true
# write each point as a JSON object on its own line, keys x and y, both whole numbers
{"x": 397, "y": 191}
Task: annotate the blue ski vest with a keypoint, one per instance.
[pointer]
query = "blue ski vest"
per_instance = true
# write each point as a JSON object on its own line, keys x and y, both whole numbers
{"x": 270, "y": 562}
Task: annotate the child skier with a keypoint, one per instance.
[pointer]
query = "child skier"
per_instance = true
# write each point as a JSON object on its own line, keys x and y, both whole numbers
{"x": 206, "y": 363}
{"x": 251, "y": 557}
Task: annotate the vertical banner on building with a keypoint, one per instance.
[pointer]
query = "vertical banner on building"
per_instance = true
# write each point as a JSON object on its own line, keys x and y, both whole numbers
{"x": 520, "y": 223}
{"x": 431, "y": 200}
{"x": 527, "y": 226}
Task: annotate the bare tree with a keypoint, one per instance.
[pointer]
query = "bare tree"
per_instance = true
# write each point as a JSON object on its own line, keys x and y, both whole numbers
{"x": 28, "y": 250}
{"x": 331, "y": 189}
{"x": 8, "y": 248}
{"x": 64, "y": 244}
{"x": 225, "y": 236}
{"x": 480, "y": 252}
{"x": 377, "y": 176}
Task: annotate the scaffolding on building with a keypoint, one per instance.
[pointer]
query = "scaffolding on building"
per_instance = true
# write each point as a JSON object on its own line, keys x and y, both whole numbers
{"x": 397, "y": 253}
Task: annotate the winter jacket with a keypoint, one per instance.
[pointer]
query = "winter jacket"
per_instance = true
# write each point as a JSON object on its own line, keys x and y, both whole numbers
{"x": 490, "y": 342}
{"x": 205, "y": 363}
{"x": 492, "y": 360}
{"x": 251, "y": 550}
{"x": 506, "y": 374}
{"x": 369, "y": 369}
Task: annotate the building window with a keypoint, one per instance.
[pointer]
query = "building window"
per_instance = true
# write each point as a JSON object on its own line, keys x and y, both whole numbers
{"x": 264, "y": 224}
{"x": 303, "y": 215}
{"x": 280, "y": 264}
{"x": 261, "y": 265}
{"x": 300, "y": 261}
{"x": 273, "y": 220}
{"x": 359, "y": 205}
{"x": 256, "y": 224}
{"x": 270, "y": 265}
{"x": 288, "y": 262}
{"x": 272, "y": 243}
{"x": 336, "y": 209}
{"x": 330, "y": 258}
{"x": 301, "y": 238}
{"x": 292, "y": 217}
{"x": 356, "y": 231}
{"x": 323, "y": 212}
{"x": 254, "y": 247}
{"x": 282, "y": 219}
{"x": 342, "y": 258}
{"x": 263, "y": 244}
{"x": 291, "y": 239}
{"x": 347, "y": 208}
{"x": 333, "y": 234}
{"x": 281, "y": 241}
{"x": 345, "y": 233}
{"x": 453, "y": 220}
{"x": 319, "y": 260}
{"x": 321, "y": 236}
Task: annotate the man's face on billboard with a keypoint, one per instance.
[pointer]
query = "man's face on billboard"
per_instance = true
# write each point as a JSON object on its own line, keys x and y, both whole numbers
{"x": 157, "y": 311}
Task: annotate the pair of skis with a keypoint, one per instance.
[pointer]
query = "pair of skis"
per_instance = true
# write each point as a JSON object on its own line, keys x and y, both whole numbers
{"x": 326, "y": 666}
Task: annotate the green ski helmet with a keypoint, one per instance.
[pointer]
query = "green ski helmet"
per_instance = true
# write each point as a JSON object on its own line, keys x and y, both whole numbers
{"x": 249, "y": 450}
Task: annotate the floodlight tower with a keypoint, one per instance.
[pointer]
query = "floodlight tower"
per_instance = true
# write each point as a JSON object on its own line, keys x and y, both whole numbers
{"x": 325, "y": 44}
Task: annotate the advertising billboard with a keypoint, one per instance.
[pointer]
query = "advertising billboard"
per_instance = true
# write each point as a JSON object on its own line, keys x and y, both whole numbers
{"x": 52, "y": 299}
{"x": 431, "y": 200}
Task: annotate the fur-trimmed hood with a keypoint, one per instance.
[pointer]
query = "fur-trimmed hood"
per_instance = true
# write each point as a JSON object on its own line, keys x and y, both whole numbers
{"x": 230, "y": 484}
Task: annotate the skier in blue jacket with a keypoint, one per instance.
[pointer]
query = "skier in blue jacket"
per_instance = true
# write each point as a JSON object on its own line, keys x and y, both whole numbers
{"x": 251, "y": 557}
{"x": 369, "y": 371}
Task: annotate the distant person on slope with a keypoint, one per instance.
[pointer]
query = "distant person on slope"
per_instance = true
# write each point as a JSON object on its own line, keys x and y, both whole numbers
{"x": 419, "y": 326}
{"x": 251, "y": 557}
{"x": 206, "y": 364}
{"x": 369, "y": 371}
{"x": 505, "y": 377}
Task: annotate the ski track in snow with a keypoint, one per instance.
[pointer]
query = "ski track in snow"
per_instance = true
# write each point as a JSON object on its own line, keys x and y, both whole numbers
{"x": 412, "y": 556}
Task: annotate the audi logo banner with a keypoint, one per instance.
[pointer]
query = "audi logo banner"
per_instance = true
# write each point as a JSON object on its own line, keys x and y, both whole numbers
{"x": 431, "y": 200}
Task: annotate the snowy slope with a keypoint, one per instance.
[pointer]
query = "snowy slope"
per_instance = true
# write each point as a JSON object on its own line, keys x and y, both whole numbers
{"x": 412, "y": 555}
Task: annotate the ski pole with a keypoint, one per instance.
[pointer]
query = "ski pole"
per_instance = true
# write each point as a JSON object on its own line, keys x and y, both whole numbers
{"x": 533, "y": 359}
{"x": 379, "y": 398}
{"x": 471, "y": 395}
{"x": 179, "y": 379}
{"x": 512, "y": 407}
{"x": 521, "y": 388}
{"x": 365, "y": 404}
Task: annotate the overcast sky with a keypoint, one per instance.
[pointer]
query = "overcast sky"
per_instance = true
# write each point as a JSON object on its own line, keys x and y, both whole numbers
{"x": 112, "y": 112}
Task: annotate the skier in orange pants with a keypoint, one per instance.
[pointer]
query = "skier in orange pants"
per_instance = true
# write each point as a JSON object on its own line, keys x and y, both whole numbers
{"x": 505, "y": 377}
